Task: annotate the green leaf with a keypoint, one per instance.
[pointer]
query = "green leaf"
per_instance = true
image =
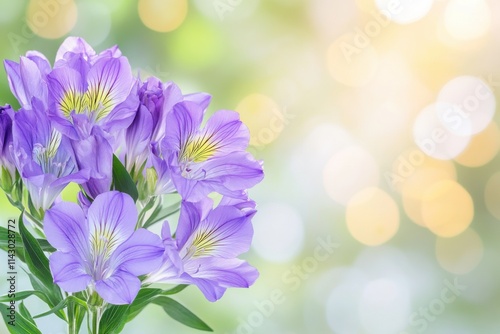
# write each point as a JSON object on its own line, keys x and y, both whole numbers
{"x": 160, "y": 213}
{"x": 62, "y": 305}
{"x": 143, "y": 299}
{"x": 122, "y": 180}
{"x": 38, "y": 265}
{"x": 178, "y": 312}
{"x": 175, "y": 289}
{"x": 22, "y": 325}
{"x": 20, "y": 296}
{"x": 25, "y": 313}
{"x": 113, "y": 319}
{"x": 4, "y": 243}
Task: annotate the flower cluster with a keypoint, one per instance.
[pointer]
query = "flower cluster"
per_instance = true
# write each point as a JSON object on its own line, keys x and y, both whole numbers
{"x": 128, "y": 143}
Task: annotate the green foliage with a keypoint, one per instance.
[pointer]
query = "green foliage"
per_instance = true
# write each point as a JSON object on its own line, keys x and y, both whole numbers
{"x": 38, "y": 265}
{"x": 178, "y": 312}
{"x": 122, "y": 180}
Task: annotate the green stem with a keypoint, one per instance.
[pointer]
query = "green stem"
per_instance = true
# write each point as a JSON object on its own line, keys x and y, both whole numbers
{"x": 71, "y": 318}
{"x": 96, "y": 304}
{"x": 96, "y": 318}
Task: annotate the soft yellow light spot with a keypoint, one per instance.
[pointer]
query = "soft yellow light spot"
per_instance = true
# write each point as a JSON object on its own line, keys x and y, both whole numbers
{"x": 467, "y": 19}
{"x": 352, "y": 60}
{"x": 372, "y": 216}
{"x": 51, "y": 19}
{"x": 417, "y": 175}
{"x": 205, "y": 48}
{"x": 482, "y": 148}
{"x": 163, "y": 15}
{"x": 492, "y": 195}
{"x": 349, "y": 171}
{"x": 415, "y": 188}
{"x": 366, "y": 5}
{"x": 447, "y": 208}
{"x": 461, "y": 254}
{"x": 263, "y": 117}
{"x": 405, "y": 11}
{"x": 413, "y": 160}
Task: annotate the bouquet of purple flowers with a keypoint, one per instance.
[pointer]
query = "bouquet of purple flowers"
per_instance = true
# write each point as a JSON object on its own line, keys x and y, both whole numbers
{"x": 139, "y": 152}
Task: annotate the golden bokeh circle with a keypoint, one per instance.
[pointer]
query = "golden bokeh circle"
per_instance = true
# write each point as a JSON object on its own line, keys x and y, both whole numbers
{"x": 263, "y": 117}
{"x": 162, "y": 15}
{"x": 52, "y": 19}
{"x": 372, "y": 216}
{"x": 482, "y": 147}
{"x": 447, "y": 208}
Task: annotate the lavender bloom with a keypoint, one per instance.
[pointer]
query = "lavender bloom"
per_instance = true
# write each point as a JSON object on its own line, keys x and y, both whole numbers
{"x": 96, "y": 155}
{"x": 142, "y": 138}
{"x": 100, "y": 250}
{"x": 8, "y": 169}
{"x": 43, "y": 156}
{"x": 205, "y": 249}
{"x": 88, "y": 90}
{"x": 27, "y": 79}
{"x": 208, "y": 159}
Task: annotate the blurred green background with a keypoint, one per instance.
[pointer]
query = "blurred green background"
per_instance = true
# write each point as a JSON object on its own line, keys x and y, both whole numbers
{"x": 376, "y": 122}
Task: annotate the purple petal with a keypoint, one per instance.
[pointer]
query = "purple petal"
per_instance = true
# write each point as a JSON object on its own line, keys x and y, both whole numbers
{"x": 15, "y": 82}
{"x": 109, "y": 83}
{"x": 138, "y": 138}
{"x": 171, "y": 267}
{"x": 201, "y": 99}
{"x": 74, "y": 45}
{"x": 190, "y": 217}
{"x": 34, "y": 83}
{"x": 66, "y": 91}
{"x": 226, "y": 233}
{"x": 120, "y": 288}
{"x": 68, "y": 272}
{"x": 95, "y": 154}
{"x": 112, "y": 216}
{"x": 227, "y": 132}
{"x": 213, "y": 276}
{"x": 182, "y": 124}
{"x": 140, "y": 254}
{"x": 40, "y": 60}
{"x": 66, "y": 229}
{"x": 236, "y": 171}
{"x": 123, "y": 114}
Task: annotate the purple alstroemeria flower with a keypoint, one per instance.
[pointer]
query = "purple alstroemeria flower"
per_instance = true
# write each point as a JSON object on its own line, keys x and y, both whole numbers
{"x": 43, "y": 156}
{"x": 101, "y": 250}
{"x": 143, "y": 136}
{"x": 95, "y": 154}
{"x": 209, "y": 159}
{"x": 88, "y": 90}
{"x": 8, "y": 169}
{"x": 27, "y": 79}
{"x": 205, "y": 249}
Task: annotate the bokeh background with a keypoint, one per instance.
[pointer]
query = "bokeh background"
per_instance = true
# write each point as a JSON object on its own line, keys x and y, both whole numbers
{"x": 376, "y": 122}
